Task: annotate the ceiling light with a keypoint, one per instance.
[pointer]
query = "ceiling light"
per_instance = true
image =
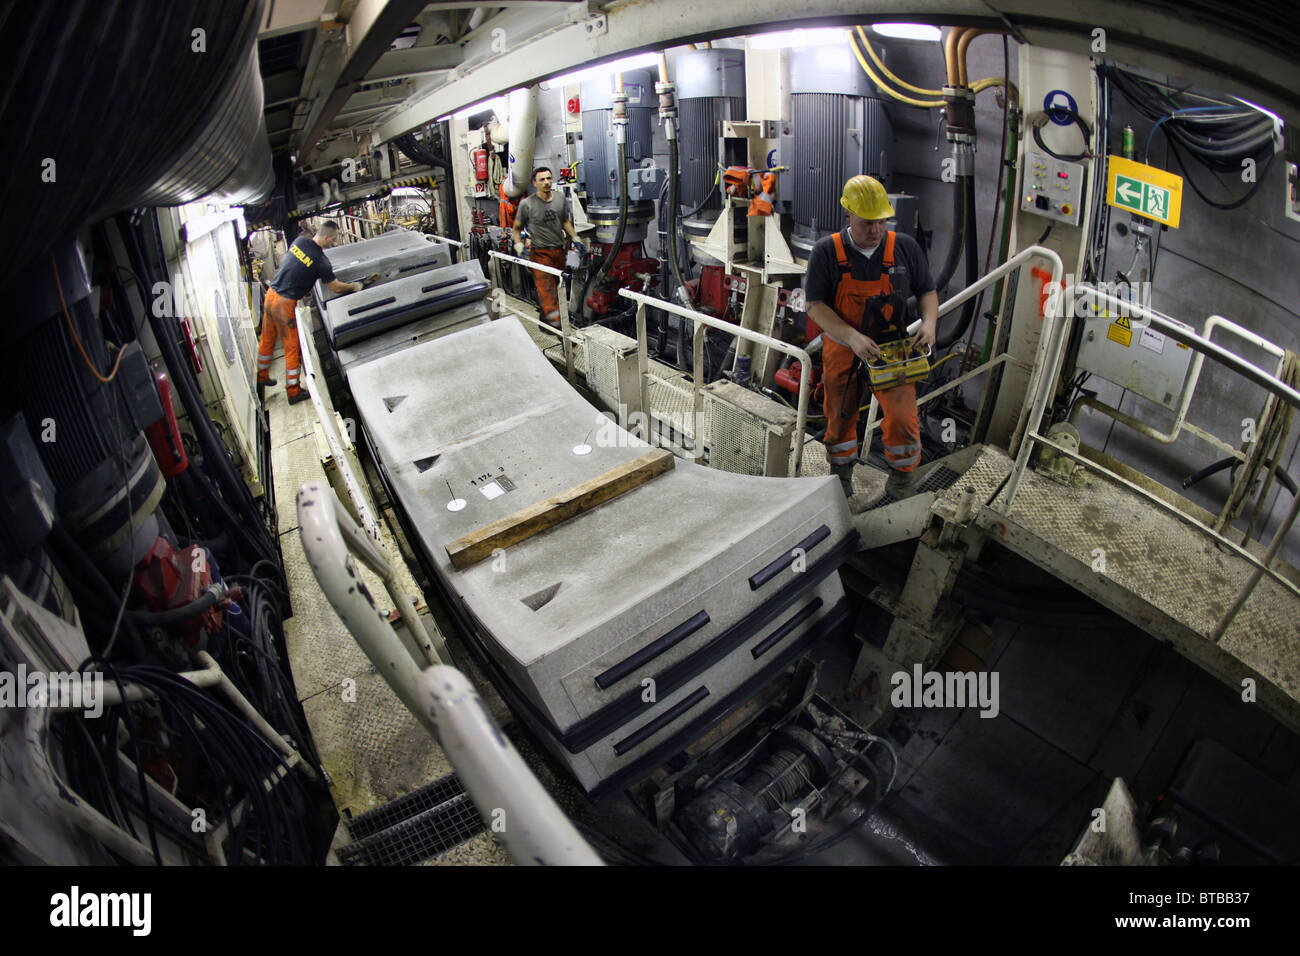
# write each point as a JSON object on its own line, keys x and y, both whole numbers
{"x": 640, "y": 61}
{"x": 497, "y": 104}
{"x": 908, "y": 31}
{"x": 800, "y": 39}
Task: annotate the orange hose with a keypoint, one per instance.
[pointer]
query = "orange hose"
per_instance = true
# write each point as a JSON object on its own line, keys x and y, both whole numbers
{"x": 963, "y": 44}
{"x": 950, "y": 52}
{"x": 73, "y": 331}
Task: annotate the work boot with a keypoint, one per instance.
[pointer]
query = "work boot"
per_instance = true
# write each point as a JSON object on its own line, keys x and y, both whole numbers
{"x": 302, "y": 396}
{"x": 900, "y": 484}
{"x": 844, "y": 473}
{"x": 266, "y": 382}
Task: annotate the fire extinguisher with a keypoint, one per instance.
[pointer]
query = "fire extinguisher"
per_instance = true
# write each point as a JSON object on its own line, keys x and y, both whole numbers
{"x": 480, "y": 164}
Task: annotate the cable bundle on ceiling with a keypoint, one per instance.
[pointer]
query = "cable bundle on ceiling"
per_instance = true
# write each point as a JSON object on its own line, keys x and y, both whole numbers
{"x": 420, "y": 153}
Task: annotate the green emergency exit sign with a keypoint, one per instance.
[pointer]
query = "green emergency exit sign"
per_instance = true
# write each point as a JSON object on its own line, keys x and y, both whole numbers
{"x": 1144, "y": 190}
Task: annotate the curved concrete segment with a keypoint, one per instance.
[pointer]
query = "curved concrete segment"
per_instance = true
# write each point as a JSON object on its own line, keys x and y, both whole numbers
{"x": 623, "y": 633}
{"x": 361, "y": 315}
{"x": 398, "y": 265}
{"x": 387, "y": 244}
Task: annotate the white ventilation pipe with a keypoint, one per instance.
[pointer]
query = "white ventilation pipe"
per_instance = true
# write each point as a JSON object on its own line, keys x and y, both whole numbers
{"x": 523, "y": 133}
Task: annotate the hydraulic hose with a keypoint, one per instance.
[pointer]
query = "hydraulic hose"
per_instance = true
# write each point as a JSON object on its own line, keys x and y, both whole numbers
{"x": 214, "y": 452}
{"x": 969, "y": 233}
{"x": 875, "y": 78}
{"x": 179, "y": 615}
{"x": 1287, "y": 481}
{"x": 618, "y": 239}
{"x": 672, "y": 216}
{"x": 959, "y": 225}
{"x": 622, "y": 212}
{"x": 884, "y": 70}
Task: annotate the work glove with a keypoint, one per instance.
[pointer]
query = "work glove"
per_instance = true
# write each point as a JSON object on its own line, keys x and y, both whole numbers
{"x": 582, "y": 250}
{"x": 519, "y": 249}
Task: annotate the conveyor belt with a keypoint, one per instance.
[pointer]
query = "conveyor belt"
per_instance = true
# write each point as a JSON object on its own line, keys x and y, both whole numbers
{"x": 708, "y": 584}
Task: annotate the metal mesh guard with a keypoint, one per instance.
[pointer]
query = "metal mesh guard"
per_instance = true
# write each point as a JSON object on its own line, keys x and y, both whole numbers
{"x": 741, "y": 443}
{"x": 414, "y": 827}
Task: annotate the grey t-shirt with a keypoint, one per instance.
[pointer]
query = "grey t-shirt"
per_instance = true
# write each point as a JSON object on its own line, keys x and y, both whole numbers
{"x": 544, "y": 220}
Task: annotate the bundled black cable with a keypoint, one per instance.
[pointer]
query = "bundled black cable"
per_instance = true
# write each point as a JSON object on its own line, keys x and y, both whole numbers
{"x": 225, "y": 766}
{"x": 418, "y": 152}
{"x": 1218, "y": 137}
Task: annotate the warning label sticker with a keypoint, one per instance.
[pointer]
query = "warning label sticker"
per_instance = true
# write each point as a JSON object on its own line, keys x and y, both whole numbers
{"x": 1121, "y": 331}
{"x": 1153, "y": 340}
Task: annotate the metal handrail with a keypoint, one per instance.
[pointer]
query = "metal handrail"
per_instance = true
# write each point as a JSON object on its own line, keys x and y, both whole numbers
{"x": 1015, "y": 262}
{"x": 369, "y": 530}
{"x": 1052, "y": 348}
{"x": 564, "y": 330}
{"x": 701, "y": 320}
{"x": 507, "y": 794}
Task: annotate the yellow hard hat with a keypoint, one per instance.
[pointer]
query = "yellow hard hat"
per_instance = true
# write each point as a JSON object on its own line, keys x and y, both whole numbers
{"x": 865, "y": 196}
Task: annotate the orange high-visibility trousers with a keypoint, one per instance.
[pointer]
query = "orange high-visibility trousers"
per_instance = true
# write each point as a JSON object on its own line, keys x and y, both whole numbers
{"x": 279, "y": 320}
{"x": 900, "y": 427}
{"x": 846, "y": 381}
{"x": 547, "y": 284}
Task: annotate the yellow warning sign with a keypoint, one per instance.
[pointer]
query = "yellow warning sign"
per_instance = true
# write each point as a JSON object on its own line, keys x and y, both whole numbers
{"x": 1121, "y": 331}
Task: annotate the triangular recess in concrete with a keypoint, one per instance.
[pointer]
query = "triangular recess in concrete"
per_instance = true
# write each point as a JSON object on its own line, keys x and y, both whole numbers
{"x": 539, "y": 599}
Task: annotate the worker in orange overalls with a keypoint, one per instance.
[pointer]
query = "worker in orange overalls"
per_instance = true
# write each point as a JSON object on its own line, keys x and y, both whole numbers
{"x": 857, "y": 287}
{"x": 545, "y": 214}
{"x": 305, "y": 263}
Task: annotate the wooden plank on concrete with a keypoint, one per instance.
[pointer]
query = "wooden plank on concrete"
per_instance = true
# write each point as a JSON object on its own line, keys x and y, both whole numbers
{"x": 473, "y": 547}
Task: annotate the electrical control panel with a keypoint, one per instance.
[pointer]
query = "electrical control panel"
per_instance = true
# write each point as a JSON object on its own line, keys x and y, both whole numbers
{"x": 1053, "y": 188}
{"x": 1127, "y": 351}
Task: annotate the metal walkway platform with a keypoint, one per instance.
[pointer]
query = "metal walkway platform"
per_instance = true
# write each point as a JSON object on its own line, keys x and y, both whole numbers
{"x": 1158, "y": 572}
{"x": 373, "y": 749}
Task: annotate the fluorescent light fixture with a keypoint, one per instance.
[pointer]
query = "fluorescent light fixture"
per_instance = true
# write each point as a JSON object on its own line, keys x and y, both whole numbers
{"x": 1278, "y": 122}
{"x": 908, "y": 31}
{"x": 640, "y": 61}
{"x": 497, "y": 104}
{"x": 800, "y": 39}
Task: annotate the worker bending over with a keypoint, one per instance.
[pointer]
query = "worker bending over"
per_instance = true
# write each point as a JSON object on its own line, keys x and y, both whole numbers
{"x": 304, "y": 264}
{"x": 545, "y": 215}
{"x": 857, "y": 287}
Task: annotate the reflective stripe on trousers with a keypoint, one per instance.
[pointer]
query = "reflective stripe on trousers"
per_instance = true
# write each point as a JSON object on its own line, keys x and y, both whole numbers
{"x": 279, "y": 320}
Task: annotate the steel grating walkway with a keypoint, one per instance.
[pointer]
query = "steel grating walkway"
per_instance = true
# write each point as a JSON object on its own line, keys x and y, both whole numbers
{"x": 414, "y": 827}
{"x": 373, "y": 749}
{"x": 1159, "y": 572}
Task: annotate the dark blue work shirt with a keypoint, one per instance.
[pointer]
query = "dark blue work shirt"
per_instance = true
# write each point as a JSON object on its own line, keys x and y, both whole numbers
{"x": 304, "y": 264}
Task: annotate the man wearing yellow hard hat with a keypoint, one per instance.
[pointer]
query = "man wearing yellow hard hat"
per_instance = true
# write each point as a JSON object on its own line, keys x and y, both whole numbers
{"x": 857, "y": 287}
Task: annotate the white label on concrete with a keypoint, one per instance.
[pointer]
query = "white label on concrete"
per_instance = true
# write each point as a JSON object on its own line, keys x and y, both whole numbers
{"x": 492, "y": 490}
{"x": 1153, "y": 340}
